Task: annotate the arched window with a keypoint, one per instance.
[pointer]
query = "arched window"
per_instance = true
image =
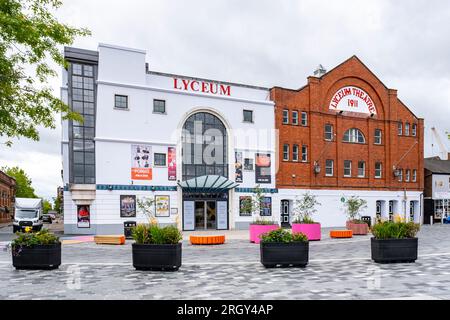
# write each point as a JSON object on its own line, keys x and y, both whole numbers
{"x": 354, "y": 136}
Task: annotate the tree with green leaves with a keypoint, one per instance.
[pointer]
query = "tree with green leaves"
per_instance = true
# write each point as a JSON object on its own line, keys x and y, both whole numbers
{"x": 24, "y": 188}
{"x": 57, "y": 204}
{"x": 304, "y": 208}
{"x": 46, "y": 206}
{"x": 30, "y": 39}
{"x": 353, "y": 207}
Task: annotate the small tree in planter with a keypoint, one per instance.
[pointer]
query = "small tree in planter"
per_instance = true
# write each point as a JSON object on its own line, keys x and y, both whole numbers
{"x": 353, "y": 207}
{"x": 259, "y": 224}
{"x": 155, "y": 247}
{"x": 282, "y": 248}
{"x": 303, "y": 222}
{"x": 36, "y": 251}
{"x": 394, "y": 241}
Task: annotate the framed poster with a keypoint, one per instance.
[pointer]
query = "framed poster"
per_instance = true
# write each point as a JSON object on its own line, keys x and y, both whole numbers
{"x": 83, "y": 216}
{"x": 263, "y": 168}
{"x": 162, "y": 206}
{"x": 127, "y": 206}
{"x": 266, "y": 207}
{"x": 172, "y": 160}
{"x": 243, "y": 200}
{"x": 222, "y": 215}
{"x": 189, "y": 215}
{"x": 141, "y": 162}
{"x": 238, "y": 167}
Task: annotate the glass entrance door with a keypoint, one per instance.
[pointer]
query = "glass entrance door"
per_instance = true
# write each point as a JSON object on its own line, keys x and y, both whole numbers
{"x": 205, "y": 215}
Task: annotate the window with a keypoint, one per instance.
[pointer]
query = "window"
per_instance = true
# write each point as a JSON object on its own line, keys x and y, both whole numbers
{"x": 414, "y": 175}
{"x": 329, "y": 168}
{"x": 361, "y": 169}
{"x": 295, "y": 152}
{"x": 400, "y": 175}
{"x": 248, "y": 164}
{"x": 400, "y": 128}
{"x": 407, "y": 129}
{"x": 120, "y": 102}
{"x": 378, "y": 208}
{"x": 304, "y": 153}
{"x": 160, "y": 159}
{"x": 285, "y": 116}
{"x": 378, "y": 170}
{"x": 407, "y": 175}
{"x": 159, "y": 106}
{"x": 304, "y": 119}
{"x": 354, "y": 136}
{"x": 414, "y": 130}
{"x": 378, "y": 138}
{"x": 295, "y": 117}
{"x": 391, "y": 210}
{"x": 248, "y": 116}
{"x": 347, "y": 168}
{"x": 286, "y": 152}
{"x": 329, "y": 132}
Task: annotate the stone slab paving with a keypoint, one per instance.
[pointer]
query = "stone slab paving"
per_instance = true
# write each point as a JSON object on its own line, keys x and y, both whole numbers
{"x": 338, "y": 269}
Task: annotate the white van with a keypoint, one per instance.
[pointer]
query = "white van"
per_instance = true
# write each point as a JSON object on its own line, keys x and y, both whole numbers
{"x": 28, "y": 213}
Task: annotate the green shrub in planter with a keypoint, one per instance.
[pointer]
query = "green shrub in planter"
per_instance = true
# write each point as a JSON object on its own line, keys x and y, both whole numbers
{"x": 283, "y": 236}
{"x": 395, "y": 230}
{"x": 154, "y": 234}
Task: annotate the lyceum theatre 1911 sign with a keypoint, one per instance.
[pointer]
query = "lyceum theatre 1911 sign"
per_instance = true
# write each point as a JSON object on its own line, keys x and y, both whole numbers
{"x": 353, "y": 99}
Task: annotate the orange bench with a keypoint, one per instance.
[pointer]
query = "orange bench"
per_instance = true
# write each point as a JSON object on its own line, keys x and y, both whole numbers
{"x": 110, "y": 239}
{"x": 341, "y": 234}
{"x": 207, "y": 240}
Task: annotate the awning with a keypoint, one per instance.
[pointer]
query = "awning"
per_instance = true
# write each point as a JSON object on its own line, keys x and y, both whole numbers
{"x": 208, "y": 184}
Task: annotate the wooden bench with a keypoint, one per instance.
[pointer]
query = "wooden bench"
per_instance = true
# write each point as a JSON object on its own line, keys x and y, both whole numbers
{"x": 341, "y": 234}
{"x": 110, "y": 239}
{"x": 207, "y": 240}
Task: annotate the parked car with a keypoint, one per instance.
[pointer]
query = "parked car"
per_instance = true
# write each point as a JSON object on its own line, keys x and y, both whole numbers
{"x": 46, "y": 218}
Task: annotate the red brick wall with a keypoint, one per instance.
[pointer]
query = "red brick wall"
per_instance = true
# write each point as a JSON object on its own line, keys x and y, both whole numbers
{"x": 7, "y": 194}
{"x": 314, "y": 98}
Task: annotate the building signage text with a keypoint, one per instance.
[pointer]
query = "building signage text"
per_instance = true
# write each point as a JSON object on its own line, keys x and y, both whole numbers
{"x": 201, "y": 86}
{"x": 352, "y": 99}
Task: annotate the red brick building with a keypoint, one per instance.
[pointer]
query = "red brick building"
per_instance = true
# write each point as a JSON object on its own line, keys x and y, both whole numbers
{"x": 7, "y": 196}
{"x": 346, "y": 133}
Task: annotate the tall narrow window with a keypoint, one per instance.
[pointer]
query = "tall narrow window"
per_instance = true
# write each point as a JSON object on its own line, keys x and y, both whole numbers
{"x": 286, "y": 152}
{"x": 329, "y": 168}
{"x": 361, "y": 169}
{"x": 285, "y": 116}
{"x": 414, "y": 176}
{"x": 407, "y": 175}
{"x": 378, "y": 137}
{"x": 304, "y": 119}
{"x": 378, "y": 170}
{"x": 295, "y": 152}
{"x": 304, "y": 153}
{"x": 347, "y": 168}
{"x": 407, "y": 129}
{"x": 329, "y": 132}
{"x": 400, "y": 175}
{"x": 414, "y": 130}
{"x": 400, "y": 128}
{"x": 295, "y": 117}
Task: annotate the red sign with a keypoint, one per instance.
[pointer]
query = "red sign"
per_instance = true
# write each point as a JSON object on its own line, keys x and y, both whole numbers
{"x": 172, "y": 159}
{"x": 201, "y": 86}
{"x": 141, "y": 174}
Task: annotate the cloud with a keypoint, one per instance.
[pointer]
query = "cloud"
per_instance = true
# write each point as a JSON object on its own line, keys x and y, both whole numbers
{"x": 268, "y": 43}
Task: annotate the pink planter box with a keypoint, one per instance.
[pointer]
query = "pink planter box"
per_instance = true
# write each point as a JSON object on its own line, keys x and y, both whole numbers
{"x": 312, "y": 231}
{"x": 360, "y": 229}
{"x": 257, "y": 229}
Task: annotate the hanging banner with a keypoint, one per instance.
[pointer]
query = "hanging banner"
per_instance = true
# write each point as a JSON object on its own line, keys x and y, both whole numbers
{"x": 222, "y": 215}
{"x": 83, "y": 217}
{"x": 127, "y": 206}
{"x": 141, "y": 168}
{"x": 238, "y": 167}
{"x": 263, "y": 168}
{"x": 172, "y": 159}
{"x": 352, "y": 99}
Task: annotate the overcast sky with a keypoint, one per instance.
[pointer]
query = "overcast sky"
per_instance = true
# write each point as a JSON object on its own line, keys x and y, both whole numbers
{"x": 405, "y": 43}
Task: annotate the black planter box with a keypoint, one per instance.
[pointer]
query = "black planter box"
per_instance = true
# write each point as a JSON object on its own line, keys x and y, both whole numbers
{"x": 161, "y": 257}
{"x": 394, "y": 250}
{"x": 293, "y": 254}
{"x": 38, "y": 257}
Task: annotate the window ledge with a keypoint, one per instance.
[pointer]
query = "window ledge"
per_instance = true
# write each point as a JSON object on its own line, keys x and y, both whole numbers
{"x": 122, "y": 109}
{"x": 160, "y": 113}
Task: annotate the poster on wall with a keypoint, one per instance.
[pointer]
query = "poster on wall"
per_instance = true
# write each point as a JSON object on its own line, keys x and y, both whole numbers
{"x": 83, "y": 217}
{"x": 162, "y": 206}
{"x": 238, "y": 167}
{"x": 141, "y": 166}
{"x": 222, "y": 215}
{"x": 263, "y": 168}
{"x": 172, "y": 159}
{"x": 244, "y": 202}
{"x": 189, "y": 215}
{"x": 266, "y": 207}
{"x": 127, "y": 206}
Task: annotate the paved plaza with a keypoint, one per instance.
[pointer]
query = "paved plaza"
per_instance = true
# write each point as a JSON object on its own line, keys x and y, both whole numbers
{"x": 338, "y": 269}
